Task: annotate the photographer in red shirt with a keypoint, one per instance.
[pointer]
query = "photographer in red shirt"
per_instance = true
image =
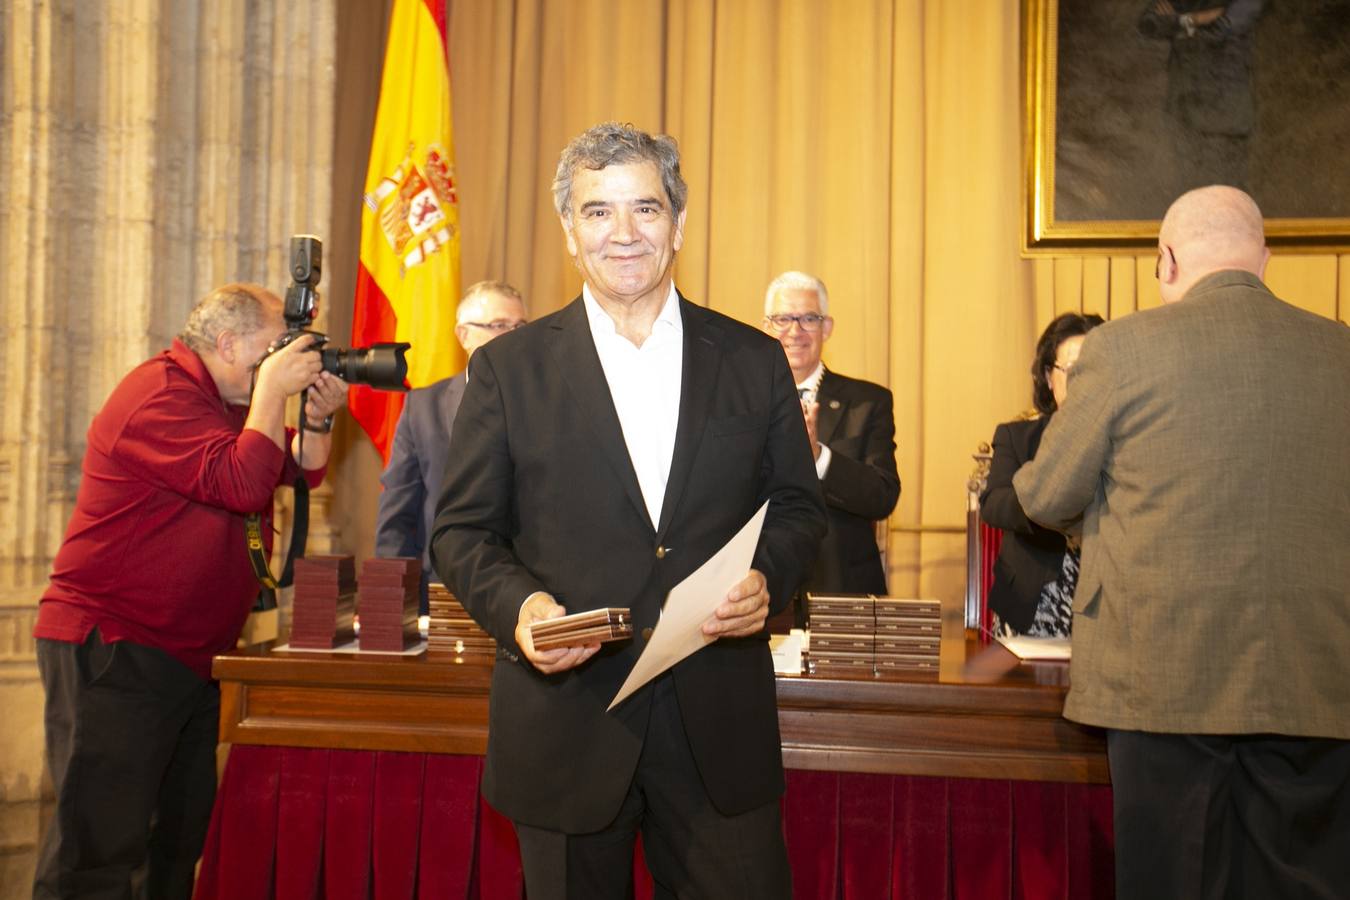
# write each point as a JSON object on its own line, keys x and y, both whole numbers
{"x": 153, "y": 579}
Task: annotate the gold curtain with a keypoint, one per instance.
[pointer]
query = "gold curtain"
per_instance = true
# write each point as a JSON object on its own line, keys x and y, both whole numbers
{"x": 875, "y": 143}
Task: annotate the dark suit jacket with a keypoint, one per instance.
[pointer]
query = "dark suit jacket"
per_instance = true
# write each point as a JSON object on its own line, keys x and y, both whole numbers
{"x": 412, "y": 480}
{"x": 1205, "y": 442}
{"x": 1031, "y": 554}
{"x": 856, "y": 421}
{"x": 540, "y": 494}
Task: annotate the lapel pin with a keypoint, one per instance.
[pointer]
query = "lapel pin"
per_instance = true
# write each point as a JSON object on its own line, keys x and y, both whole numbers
{"x": 834, "y": 404}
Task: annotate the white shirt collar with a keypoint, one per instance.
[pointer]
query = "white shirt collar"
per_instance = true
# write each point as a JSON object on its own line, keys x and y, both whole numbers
{"x": 601, "y": 323}
{"x": 812, "y": 382}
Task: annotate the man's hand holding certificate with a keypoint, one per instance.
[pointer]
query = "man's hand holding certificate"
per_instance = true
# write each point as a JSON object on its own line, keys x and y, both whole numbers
{"x": 701, "y": 609}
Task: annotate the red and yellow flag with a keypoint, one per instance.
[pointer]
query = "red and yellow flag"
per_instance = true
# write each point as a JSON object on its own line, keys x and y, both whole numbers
{"x": 407, "y": 286}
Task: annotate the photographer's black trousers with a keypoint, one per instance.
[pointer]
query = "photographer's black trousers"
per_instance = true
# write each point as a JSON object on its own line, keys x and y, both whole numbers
{"x": 131, "y": 744}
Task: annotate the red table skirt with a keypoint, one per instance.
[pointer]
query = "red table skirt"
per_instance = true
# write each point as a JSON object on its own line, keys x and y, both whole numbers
{"x": 298, "y": 824}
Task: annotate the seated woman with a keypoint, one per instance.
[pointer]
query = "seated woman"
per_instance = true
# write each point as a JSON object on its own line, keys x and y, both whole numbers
{"x": 1037, "y": 567}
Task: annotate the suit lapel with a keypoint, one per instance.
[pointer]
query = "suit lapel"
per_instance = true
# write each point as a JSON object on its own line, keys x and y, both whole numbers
{"x": 574, "y": 353}
{"x": 450, "y": 397}
{"x": 702, "y": 360}
{"x": 832, "y": 406}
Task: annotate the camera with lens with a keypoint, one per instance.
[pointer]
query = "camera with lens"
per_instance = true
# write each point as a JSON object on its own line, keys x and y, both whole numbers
{"x": 381, "y": 366}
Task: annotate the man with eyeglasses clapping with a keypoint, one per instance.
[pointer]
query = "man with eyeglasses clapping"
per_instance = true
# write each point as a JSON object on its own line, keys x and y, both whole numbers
{"x": 851, "y": 427}
{"x": 412, "y": 480}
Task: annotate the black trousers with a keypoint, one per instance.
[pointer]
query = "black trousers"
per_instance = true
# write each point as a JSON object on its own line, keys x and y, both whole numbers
{"x": 692, "y": 850}
{"x": 131, "y": 746}
{"x": 1205, "y": 817}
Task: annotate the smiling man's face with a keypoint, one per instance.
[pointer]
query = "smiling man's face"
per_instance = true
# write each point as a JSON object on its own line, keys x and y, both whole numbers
{"x": 622, "y": 232}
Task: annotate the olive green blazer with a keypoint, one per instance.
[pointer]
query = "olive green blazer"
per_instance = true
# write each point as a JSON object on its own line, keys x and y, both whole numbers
{"x": 1206, "y": 445}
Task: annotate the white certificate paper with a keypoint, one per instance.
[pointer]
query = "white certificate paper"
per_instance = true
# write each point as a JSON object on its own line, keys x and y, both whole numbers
{"x": 690, "y": 603}
{"x": 1037, "y": 648}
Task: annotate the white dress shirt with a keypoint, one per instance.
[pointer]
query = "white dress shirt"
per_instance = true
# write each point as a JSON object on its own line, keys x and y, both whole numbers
{"x": 644, "y": 383}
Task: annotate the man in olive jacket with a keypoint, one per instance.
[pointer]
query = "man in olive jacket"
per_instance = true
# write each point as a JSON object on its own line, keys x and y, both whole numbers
{"x": 1204, "y": 444}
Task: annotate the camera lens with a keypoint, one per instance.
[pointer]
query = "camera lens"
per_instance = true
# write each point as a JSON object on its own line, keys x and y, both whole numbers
{"x": 382, "y": 366}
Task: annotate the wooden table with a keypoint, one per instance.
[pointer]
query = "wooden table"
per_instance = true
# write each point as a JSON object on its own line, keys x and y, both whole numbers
{"x": 966, "y": 782}
{"x": 984, "y": 715}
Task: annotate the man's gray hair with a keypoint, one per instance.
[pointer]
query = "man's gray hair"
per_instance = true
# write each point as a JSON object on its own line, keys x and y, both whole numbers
{"x": 470, "y": 301}
{"x": 797, "y": 281}
{"x": 615, "y": 143}
{"x": 236, "y": 307}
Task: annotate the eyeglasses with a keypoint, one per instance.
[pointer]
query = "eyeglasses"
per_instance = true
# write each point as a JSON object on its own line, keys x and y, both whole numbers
{"x": 498, "y": 326}
{"x": 1066, "y": 369}
{"x": 809, "y": 322}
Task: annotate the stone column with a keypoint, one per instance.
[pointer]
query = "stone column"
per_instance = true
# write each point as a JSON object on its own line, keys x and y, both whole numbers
{"x": 149, "y": 149}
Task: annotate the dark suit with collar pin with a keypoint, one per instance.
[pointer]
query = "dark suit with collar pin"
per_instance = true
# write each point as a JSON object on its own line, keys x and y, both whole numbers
{"x": 856, "y": 421}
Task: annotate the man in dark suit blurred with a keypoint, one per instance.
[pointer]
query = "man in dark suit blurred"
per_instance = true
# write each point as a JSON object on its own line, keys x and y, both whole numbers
{"x": 1204, "y": 445}
{"x": 851, "y": 427}
{"x": 412, "y": 479}
{"x": 603, "y": 453}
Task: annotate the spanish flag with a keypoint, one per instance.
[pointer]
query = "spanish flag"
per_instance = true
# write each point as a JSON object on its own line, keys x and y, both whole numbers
{"x": 407, "y": 286}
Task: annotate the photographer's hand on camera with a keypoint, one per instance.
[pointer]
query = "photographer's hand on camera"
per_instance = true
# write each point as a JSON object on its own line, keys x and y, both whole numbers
{"x": 326, "y": 396}
{"x": 282, "y": 373}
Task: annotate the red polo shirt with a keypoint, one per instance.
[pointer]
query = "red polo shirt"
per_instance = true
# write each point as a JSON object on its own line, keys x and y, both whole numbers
{"x": 155, "y": 550}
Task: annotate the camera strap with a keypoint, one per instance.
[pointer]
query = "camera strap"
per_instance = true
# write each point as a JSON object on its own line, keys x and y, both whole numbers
{"x": 253, "y": 534}
{"x": 257, "y": 549}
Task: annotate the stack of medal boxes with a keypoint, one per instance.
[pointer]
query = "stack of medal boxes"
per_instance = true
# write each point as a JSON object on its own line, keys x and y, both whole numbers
{"x": 863, "y": 635}
{"x": 388, "y": 604}
{"x": 451, "y": 630}
{"x": 324, "y": 604}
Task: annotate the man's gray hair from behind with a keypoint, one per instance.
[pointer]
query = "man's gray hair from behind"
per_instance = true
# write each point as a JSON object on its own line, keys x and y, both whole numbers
{"x": 797, "y": 281}
{"x": 469, "y": 303}
{"x": 236, "y": 307}
{"x": 617, "y": 143}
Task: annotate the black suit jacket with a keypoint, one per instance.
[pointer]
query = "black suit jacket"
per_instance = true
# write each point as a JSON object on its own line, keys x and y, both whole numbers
{"x": 540, "y": 494}
{"x": 412, "y": 480}
{"x": 856, "y": 421}
{"x": 1031, "y": 554}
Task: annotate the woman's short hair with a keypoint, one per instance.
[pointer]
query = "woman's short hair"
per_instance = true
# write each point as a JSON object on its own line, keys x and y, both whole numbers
{"x": 616, "y": 144}
{"x": 1060, "y": 329}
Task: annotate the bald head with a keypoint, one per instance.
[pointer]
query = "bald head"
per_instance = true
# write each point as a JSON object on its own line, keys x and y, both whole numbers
{"x": 1208, "y": 230}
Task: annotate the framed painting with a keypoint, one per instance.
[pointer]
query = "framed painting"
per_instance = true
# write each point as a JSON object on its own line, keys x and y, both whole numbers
{"x": 1129, "y": 103}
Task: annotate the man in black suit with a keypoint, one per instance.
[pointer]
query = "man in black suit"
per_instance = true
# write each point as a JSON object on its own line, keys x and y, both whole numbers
{"x": 603, "y": 454}
{"x": 412, "y": 479}
{"x": 851, "y": 427}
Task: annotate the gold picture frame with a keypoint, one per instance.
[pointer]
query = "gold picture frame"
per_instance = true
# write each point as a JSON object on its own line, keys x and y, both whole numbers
{"x": 1137, "y": 108}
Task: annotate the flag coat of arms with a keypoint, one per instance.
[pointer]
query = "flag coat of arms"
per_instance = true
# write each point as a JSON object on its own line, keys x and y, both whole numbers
{"x": 407, "y": 285}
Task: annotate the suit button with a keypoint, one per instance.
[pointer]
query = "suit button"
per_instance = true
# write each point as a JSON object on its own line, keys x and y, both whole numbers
{"x": 660, "y": 552}
{"x": 646, "y": 634}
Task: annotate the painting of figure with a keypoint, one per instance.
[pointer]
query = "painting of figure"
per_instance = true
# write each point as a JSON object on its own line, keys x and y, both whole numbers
{"x": 1145, "y": 99}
